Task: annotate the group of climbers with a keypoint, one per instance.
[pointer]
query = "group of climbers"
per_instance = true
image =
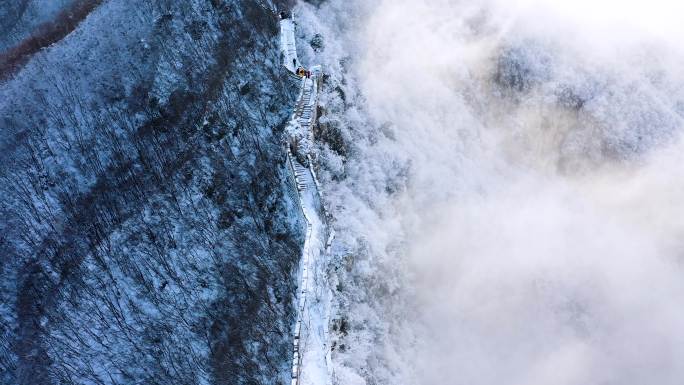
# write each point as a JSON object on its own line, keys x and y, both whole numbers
{"x": 301, "y": 72}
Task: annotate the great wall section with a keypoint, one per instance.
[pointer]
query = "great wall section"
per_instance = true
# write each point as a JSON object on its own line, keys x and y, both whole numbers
{"x": 311, "y": 351}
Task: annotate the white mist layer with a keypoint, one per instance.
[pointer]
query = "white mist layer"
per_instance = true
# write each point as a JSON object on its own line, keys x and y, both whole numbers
{"x": 537, "y": 230}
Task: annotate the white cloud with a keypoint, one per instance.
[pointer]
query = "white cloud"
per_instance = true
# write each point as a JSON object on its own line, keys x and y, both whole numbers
{"x": 541, "y": 216}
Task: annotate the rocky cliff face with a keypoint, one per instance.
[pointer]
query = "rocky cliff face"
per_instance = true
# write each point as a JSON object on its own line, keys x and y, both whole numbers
{"x": 149, "y": 230}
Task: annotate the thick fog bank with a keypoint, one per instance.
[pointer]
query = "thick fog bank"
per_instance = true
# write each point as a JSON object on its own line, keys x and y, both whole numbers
{"x": 510, "y": 204}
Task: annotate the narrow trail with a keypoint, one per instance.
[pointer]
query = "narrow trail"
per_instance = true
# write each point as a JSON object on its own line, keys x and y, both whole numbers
{"x": 288, "y": 45}
{"x": 311, "y": 358}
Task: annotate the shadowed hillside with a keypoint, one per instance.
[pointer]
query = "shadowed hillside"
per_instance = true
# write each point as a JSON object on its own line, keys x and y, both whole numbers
{"x": 149, "y": 230}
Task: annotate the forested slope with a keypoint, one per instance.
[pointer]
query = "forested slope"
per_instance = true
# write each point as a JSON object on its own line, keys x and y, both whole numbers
{"x": 149, "y": 231}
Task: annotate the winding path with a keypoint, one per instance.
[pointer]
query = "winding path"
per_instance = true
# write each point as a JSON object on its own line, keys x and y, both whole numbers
{"x": 311, "y": 358}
